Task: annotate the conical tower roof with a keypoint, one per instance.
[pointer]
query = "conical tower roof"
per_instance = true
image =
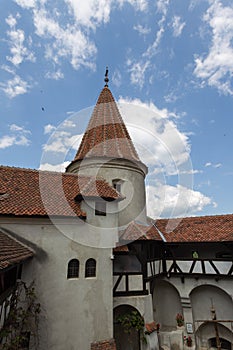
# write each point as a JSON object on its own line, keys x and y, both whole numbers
{"x": 106, "y": 134}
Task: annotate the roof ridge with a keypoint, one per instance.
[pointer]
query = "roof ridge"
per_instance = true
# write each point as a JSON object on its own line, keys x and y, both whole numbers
{"x": 194, "y": 217}
{"x": 7, "y": 167}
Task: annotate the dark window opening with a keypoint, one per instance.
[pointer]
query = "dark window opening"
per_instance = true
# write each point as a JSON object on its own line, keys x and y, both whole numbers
{"x": 223, "y": 255}
{"x": 73, "y": 269}
{"x": 90, "y": 269}
{"x": 100, "y": 208}
{"x": 126, "y": 263}
{"x": 8, "y": 279}
{"x": 117, "y": 185}
{"x": 225, "y": 344}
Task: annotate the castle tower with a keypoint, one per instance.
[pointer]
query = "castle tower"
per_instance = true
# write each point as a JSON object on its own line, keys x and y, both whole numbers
{"x": 107, "y": 151}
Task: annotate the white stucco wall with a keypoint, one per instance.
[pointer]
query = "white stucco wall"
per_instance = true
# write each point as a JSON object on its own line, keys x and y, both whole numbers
{"x": 74, "y": 312}
{"x": 196, "y": 297}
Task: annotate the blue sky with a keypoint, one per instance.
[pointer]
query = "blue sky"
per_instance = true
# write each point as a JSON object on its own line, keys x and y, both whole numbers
{"x": 170, "y": 69}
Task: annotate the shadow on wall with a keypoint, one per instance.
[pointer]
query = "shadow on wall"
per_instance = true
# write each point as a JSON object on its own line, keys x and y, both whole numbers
{"x": 166, "y": 305}
{"x": 214, "y": 304}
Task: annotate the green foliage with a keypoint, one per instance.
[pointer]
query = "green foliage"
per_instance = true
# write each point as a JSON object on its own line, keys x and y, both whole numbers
{"x": 180, "y": 319}
{"x": 133, "y": 321}
{"x": 22, "y": 319}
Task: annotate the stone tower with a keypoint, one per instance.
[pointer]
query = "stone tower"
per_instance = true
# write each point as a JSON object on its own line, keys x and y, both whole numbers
{"x": 107, "y": 151}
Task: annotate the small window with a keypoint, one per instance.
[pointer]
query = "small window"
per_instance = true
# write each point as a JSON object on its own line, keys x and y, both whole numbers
{"x": 100, "y": 208}
{"x": 117, "y": 185}
{"x": 90, "y": 269}
{"x": 73, "y": 269}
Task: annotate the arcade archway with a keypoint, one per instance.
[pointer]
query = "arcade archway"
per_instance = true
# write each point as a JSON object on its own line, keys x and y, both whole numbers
{"x": 125, "y": 341}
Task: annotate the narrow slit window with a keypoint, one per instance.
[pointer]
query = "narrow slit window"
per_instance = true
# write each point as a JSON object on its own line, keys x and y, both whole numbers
{"x": 90, "y": 269}
{"x": 73, "y": 269}
{"x": 100, "y": 208}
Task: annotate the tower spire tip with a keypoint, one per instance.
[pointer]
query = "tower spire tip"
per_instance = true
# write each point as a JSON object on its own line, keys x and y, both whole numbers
{"x": 106, "y": 77}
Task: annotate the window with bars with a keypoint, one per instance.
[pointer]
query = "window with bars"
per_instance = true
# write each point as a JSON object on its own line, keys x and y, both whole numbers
{"x": 73, "y": 269}
{"x": 90, "y": 268}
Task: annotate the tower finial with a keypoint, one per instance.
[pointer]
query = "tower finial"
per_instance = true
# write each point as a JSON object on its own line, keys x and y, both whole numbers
{"x": 106, "y": 77}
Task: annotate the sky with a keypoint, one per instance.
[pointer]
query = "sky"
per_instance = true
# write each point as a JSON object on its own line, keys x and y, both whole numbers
{"x": 170, "y": 70}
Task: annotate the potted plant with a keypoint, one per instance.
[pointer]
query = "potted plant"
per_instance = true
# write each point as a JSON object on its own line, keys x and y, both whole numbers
{"x": 188, "y": 341}
{"x": 179, "y": 320}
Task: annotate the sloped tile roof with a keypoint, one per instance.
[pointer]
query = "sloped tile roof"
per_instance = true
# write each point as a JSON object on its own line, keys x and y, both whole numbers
{"x": 121, "y": 249}
{"x": 191, "y": 229}
{"x": 26, "y": 192}
{"x": 106, "y": 134}
{"x": 198, "y": 229}
{"x": 136, "y": 231}
{"x": 12, "y": 251}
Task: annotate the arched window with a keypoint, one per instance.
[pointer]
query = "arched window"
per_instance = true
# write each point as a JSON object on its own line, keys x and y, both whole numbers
{"x": 73, "y": 269}
{"x": 90, "y": 269}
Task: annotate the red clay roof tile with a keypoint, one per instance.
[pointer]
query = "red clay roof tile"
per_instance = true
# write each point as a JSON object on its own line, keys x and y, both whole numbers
{"x": 12, "y": 251}
{"x": 26, "y": 192}
{"x": 198, "y": 229}
{"x": 106, "y": 134}
{"x": 191, "y": 229}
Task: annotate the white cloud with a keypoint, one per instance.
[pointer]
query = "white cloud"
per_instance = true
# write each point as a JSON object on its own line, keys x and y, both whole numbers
{"x": 174, "y": 201}
{"x": 218, "y": 165}
{"x": 139, "y": 68}
{"x": 69, "y": 124}
{"x": 116, "y": 78}
{"x": 194, "y": 3}
{"x": 158, "y": 141}
{"x": 62, "y": 142}
{"x": 69, "y": 42}
{"x": 11, "y": 21}
{"x": 17, "y": 128}
{"x": 26, "y": 3}
{"x": 90, "y": 13}
{"x": 55, "y": 75}
{"x": 16, "y": 41}
{"x": 216, "y": 67}
{"x": 177, "y": 26}
{"x": 18, "y": 136}
{"x": 171, "y": 97}
{"x": 6, "y": 141}
{"x": 58, "y": 167}
{"x": 162, "y": 6}
{"x": 48, "y": 129}
{"x": 15, "y": 86}
{"x": 209, "y": 164}
{"x": 8, "y": 69}
{"x": 142, "y": 30}
{"x": 139, "y": 5}
{"x": 69, "y": 39}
